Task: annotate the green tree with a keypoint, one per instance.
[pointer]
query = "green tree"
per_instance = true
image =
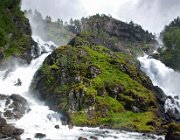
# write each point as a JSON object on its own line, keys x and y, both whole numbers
{"x": 71, "y": 21}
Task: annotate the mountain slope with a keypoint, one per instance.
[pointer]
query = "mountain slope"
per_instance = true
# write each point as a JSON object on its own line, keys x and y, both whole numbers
{"x": 15, "y": 32}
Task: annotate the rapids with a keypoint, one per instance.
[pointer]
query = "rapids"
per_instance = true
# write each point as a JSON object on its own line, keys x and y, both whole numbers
{"x": 167, "y": 79}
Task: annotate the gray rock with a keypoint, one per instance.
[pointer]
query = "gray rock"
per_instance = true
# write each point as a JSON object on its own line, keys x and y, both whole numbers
{"x": 94, "y": 71}
{"x": 81, "y": 138}
{"x": 40, "y": 135}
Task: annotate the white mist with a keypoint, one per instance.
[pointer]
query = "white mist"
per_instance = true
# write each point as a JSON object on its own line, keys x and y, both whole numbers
{"x": 166, "y": 78}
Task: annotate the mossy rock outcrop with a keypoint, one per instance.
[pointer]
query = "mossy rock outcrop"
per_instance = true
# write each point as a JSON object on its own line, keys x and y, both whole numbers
{"x": 97, "y": 86}
{"x": 173, "y": 132}
{"x": 15, "y": 32}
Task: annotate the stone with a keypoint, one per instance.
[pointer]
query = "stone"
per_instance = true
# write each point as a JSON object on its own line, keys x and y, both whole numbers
{"x": 7, "y": 130}
{"x": 160, "y": 139}
{"x": 40, "y": 135}
{"x": 56, "y": 126}
{"x": 81, "y": 138}
{"x": 18, "y": 83}
{"x": 19, "y": 99}
{"x": 94, "y": 71}
{"x": 18, "y": 131}
{"x": 70, "y": 126}
{"x": 161, "y": 96}
{"x": 2, "y": 122}
{"x": 176, "y": 97}
{"x": 2, "y": 136}
{"x": 8, "y": 114}
{"x": 93, "y": 137}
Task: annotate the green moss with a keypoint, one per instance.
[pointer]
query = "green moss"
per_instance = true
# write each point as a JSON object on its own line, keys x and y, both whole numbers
{"x": 91, "y": 91}
{"x": 79, "y": 118}
{"x": 15, "y": 34}
{"x": 136, "y": 121}
{"x": 109, "y": 103}
{"x": 112, "y": 75}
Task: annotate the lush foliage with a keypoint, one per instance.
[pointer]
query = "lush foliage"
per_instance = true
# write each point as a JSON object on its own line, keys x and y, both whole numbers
{"x": 15, "y": 34}
{"x": 170, "y": 55}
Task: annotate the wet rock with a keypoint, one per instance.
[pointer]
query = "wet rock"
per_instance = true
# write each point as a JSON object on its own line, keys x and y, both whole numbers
{"x": 18, "y": 83}
{"x": 3, "y": 97}
{"x": 160, "y": 139}
{"x": 19, "y": 105}
{"x": 2, "y": 122}
{"x": 176, "y": 97}
{"x": 8, "y": 130}
{"x": 161, "y": 96}
{"x": 18, "y": 98}
{"x": 56, "y": 126}
{"x": 40, "y": 135}
{"x": 105, "y": 127}
{"x": 18, "y": 131}
{"x": 2, "y": 136}
{"x": 55, "y": 116}
{"x": 15, "y": 106}
{"x": 93, "y": 137}
{"x": 8, "y": 101}
{"x": 8, "y": 114}
{"x": 70, "y": 126}
{"x": 81, "y": 138}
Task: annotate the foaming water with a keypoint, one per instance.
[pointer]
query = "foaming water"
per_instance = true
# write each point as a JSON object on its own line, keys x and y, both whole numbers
{"x": 164, "y": 77}
{"x": 40, "y": 119}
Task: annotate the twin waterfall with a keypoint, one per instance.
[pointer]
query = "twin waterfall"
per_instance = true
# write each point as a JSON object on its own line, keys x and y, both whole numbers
{"x": 40, "y": 119}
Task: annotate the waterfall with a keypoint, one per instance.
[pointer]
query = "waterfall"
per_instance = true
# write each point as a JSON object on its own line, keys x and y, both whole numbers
{"x": 167, "y": 79}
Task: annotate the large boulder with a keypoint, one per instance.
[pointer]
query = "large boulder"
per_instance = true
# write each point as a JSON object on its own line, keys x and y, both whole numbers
{"x": 9, "y": 131}
{"x": 15, "y": 106}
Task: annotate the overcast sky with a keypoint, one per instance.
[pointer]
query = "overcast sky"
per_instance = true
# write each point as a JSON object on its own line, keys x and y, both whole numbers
{"x": 150, "y": 14}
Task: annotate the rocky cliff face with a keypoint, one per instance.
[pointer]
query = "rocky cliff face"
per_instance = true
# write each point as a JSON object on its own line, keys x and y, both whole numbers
{"x": 126, "y": 37}
{"x": 97, "y": 86}
{"x": 15, "y": 32}
{"x": 106, "y": 25}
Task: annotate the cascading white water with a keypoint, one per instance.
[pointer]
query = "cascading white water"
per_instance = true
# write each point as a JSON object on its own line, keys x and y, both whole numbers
{"x": 41, "y": 119}
{"x": 167, "y": 79}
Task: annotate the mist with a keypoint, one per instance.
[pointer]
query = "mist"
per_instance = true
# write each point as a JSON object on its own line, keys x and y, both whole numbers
{"x": 151, "y": 15}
